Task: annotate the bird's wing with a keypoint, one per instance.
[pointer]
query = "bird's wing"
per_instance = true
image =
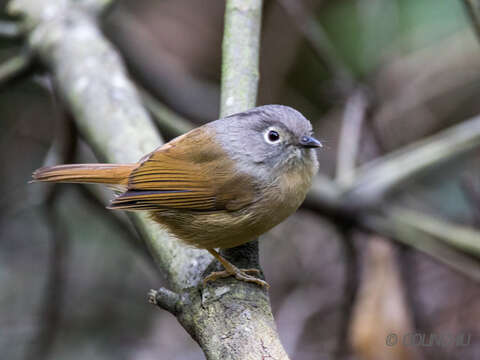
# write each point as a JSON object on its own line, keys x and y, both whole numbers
{"x": 190, "y": 172}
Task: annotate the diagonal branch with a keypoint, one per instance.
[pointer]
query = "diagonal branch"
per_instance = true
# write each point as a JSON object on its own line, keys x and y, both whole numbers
{"x": 320, "y": 43}
{"x": 459, "y": 236}
{"x": 167, "y": 119}
{"x": 15, "y": 66}
{"x": 473, "y": 9}
{"x": 382, "y": 175}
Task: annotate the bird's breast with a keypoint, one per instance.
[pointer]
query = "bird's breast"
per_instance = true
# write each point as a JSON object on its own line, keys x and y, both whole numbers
{"x": 284, "y": 196}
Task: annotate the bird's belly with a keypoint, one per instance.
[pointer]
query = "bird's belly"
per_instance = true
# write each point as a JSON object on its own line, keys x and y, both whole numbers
{"x": 226, "y": 229}
{"x": 220, "y": 229}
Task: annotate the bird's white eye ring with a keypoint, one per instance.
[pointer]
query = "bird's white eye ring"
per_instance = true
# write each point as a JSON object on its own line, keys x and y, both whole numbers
{"x": 272, "y": 136}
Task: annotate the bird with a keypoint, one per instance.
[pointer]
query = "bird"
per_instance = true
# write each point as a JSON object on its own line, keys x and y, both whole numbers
{"x": 217, "y": 186}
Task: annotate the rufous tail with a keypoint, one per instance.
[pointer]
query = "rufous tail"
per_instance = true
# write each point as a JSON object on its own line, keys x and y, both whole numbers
{"x": 111, "y": 174}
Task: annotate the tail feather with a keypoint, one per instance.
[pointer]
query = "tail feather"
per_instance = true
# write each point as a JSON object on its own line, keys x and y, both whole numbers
{"x": 111, "y": 174}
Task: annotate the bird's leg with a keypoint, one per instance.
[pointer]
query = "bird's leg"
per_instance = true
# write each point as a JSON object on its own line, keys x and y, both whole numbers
{"x": 232, "y": 270}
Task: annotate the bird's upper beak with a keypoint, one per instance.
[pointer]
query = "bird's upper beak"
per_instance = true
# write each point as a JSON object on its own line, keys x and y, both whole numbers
{"x": 310, "y": 142}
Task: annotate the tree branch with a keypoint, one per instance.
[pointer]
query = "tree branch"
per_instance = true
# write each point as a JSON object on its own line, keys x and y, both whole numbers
{"x": 15, "y": 66}
{"x": 11, "y": 29}
{"x": 460, "y": 237}
{"x": 394, "y": 226}
{"x": 180, "y": 90}
{"x": 383, "y": 174}
{"x": 350, "y": 134}
{"x": 473, "y": 9}
{"x": 240, "y": 56}
{"x": 166, "y": 119}
{"x": 320, "y": 43}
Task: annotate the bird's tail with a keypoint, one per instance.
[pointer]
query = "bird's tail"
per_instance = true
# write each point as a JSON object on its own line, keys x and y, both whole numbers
{"x": 109, "y": 174}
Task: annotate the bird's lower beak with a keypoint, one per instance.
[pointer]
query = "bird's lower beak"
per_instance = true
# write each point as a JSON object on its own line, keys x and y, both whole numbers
{"x": 310, "y": 142}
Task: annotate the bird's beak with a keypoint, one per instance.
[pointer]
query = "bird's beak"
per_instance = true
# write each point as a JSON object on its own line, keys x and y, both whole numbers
{"x": 310, "y": 142}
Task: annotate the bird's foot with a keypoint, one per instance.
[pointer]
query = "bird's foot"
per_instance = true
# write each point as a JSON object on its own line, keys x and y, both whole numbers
{"x": 239, "y": 274}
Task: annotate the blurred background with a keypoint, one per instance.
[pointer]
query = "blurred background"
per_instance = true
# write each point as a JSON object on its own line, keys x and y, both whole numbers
{"x": 73, "y": 278}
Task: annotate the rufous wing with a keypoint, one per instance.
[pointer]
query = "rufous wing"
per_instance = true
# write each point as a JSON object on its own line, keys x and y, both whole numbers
{"x": 191, "y": 172}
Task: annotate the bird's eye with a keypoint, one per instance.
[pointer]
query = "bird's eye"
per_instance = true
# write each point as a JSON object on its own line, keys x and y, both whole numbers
{"x": 272, "y": 136}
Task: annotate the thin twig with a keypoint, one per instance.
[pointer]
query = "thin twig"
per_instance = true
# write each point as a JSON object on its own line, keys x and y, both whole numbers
{"x": 383, "y": 174}
{"x": 167, "y": 120}
{"x": 182, "y": 91}
{"x": 15, "y": 66}
{"x": 460, "y": 237}
{"x": 350, "y": 134}
{"x": 473, "y": 9}
{"x": 166, "y": 299}
{"x": 384, "y": 223}
{"x": 393, "y": 169}
{"x": 393, "y": 226}
{"x": 319, "y": 41}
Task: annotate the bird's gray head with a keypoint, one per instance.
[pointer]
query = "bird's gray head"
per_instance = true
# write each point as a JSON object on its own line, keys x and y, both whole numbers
{"x": 270, "y": 138}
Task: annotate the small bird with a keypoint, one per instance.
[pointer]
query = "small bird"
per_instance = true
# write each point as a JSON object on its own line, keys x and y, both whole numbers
{"x": 217, "y": 186}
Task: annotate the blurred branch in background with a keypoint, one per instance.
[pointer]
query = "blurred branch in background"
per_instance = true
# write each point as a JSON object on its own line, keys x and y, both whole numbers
{"x": 393, "y": 226}
{"x": 472, "y": 194}
{"x": 167, "y": 120}
{"x": 350, "y": 136}
{"x": 473, "y": 9}
{"x": 460, "y": 237}
{"x": 11, "y": 29}
{"x": 318, "y": 40}
{"x": 380, "y": 176}
{"x": 15, "y": 66}
{"x": 165, "y": 79}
